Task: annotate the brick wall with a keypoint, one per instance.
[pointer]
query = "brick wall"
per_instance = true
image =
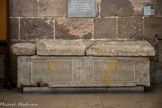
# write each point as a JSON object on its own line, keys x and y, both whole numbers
{"x": 32, "y": 20}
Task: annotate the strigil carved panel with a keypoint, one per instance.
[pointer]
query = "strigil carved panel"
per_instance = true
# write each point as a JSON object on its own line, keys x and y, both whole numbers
{"x": 46, "y": 71}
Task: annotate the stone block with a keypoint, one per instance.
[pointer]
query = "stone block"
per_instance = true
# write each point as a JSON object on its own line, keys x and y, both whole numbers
{"x": 83, "y": 90}
{"x": 23, "y": 75}
{"x": 121, "y": 48}
{"x": 70, "y": 29}
{"x": 21, "y": 8}
{"x": 97, "y": 9}
{"x": 155, "y": 65}
{"x": 105, "y": 28}
{"x": 158, "y": 8}
{"x": 36, "y": 28}
{"x": 47, "y": 90}
{"x": 152, "y": 27}
{"x": 23, "y": 49}
{"x": 138, "y": 6}
{"x": 160, "y": 50}
{"x": 116, "y": 8}
{"x": 130, "y": 28}
{"x": 14, "y": 28}
{"x": 13, "y": 62}
{"x": 56, "y": 8}
{"x": 156, "y": 72}
{"x": 82, "y": 71}
{"x": 45, "y": 47}
{"x": 159, "y": 77}
{"x": 142, "y": 77}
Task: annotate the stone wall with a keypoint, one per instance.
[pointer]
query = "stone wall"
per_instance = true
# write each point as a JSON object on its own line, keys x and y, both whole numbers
{"x": 32, "y": 20}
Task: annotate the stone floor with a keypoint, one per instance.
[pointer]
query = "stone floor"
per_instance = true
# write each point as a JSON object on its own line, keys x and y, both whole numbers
{"x": 152, "y": 98}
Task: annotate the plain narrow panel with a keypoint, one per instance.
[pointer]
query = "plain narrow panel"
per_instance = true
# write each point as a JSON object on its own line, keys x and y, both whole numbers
{"x": 2, "y": 20}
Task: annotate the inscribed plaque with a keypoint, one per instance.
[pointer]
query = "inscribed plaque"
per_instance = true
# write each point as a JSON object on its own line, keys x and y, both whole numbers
{"x": 81, "y": 8}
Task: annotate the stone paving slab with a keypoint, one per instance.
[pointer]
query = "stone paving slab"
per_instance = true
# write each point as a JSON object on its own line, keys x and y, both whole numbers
{"x": 150, "y": 99}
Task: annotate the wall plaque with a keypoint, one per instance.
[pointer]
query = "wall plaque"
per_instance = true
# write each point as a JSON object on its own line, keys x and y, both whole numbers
{"x": 81, "y": 8}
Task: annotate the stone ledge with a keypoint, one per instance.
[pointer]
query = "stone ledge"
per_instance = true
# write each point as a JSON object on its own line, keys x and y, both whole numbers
{"x": 121, "y": 48}
{"x": 85, "y": 48}
{"x": 136, "y": 89}
{"x": 47, "y": 47}
{"x": 23, "y": 49}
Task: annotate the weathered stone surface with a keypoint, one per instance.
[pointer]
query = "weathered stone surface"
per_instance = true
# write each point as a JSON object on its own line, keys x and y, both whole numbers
{"x": 157, "y": 65}
{"x": 105, "y": 28}
{"x": 98, "y": 1}
{"x": 121, "y": 48}
{"x": 155, "y": 68}
{"x": 13, "y": 62}
{"x": 97, "y": 9}
{"x": 23, "y": 49}
{"x": 130, "y": 28}
{"x": 45, "y": 47}
{"x": 36, "y": 28}
{"x": 153, "y": 65}
{"x": 56, "y": 8}
{"x": 24, "y": 71}
{"x": 158, "y": 77}
{"x": 152, "y": 27}
{"x": 156, "y": 72}
{"x": 142, "y": 77}
{"x": 160, "y": 50}
{"x": 116, "y": 8}
{"x": 82, "y": 71}
{"x": 20, "y": 8}
{"x": 70, "y": 29}
{"x": 14, "y": 28}
{"x": 138, "y": 5}
{"x": 158, "y": 8}
{"x": 137, "y": 89}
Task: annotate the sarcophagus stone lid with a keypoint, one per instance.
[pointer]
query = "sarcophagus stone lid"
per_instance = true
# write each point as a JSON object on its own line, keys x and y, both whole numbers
{"x": 23, "y": 49}
{"x": 60, "y": 47}
{"x": 121, "y": 48}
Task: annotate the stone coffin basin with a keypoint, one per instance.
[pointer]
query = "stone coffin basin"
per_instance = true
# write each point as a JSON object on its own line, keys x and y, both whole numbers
{"x": 85, "y": 64}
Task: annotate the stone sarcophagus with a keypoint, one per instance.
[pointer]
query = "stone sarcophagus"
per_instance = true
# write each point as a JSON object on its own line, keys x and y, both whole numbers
{"x": 86, "y": 64}
{"x": 83, "y": 71}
